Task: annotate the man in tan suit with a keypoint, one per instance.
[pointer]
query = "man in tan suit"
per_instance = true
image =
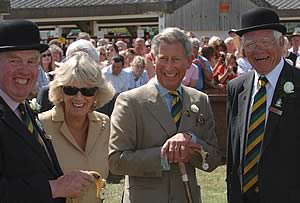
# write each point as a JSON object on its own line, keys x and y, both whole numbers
{"x": 146, "y": 143}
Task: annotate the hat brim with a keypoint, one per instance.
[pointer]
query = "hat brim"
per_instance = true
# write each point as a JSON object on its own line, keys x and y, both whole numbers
{"x": 39, "y": 47}
{"x": 275, "y": 26}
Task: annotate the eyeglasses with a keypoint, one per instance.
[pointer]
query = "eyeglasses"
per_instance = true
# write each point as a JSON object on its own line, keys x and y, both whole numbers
{"x": 71, "y": 91}
{"x": 102, "y": 54}
{"x": 266, "y": 43}
{"x": 44, "y": 55}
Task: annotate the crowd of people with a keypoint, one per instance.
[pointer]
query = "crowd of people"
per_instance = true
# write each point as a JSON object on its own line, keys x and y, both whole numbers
{"x": 69, "y": 116}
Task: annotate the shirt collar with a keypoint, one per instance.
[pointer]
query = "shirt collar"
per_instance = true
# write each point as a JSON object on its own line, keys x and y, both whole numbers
{"x": 163, "y": 91}
{"x": 271, "y": 76}
{"x": 9, "y": 101}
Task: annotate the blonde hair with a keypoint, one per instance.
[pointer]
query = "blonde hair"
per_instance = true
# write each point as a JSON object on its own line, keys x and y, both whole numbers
{"x": 80, "y": 67}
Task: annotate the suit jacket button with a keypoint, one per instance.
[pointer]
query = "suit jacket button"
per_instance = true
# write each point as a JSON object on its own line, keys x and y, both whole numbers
{"x": 256, "y": 189}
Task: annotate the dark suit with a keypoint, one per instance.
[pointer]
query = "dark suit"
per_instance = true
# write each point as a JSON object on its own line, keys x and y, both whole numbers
{"x": 25, "y": 168}
{"x": 279, "y": 165}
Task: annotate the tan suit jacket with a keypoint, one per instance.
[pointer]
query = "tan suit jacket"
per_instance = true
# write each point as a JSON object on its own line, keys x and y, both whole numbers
{"x": 140, "y": 125}
{"x": 70, "y": 155}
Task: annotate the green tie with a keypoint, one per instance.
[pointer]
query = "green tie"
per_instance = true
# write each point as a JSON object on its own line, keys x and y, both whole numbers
{"x": 28, "y": 123}
{"x": 176, "y": 107}
{"x": 255, "y": 137}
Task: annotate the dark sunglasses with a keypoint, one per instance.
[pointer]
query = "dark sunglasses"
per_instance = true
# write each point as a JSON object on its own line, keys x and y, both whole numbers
{"x": 44, "y": 55}
{"x": 71, "y": 91}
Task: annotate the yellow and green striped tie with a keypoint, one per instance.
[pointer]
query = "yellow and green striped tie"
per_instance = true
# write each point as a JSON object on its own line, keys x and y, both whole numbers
{"x": 176, "y": 107}
{"x": 255, "y": 135}
{"x": 28, "y": 123}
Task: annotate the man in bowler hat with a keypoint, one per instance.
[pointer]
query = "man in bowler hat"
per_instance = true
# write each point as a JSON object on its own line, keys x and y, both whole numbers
{"x": 263, "y": 162}
{"x": 29, "y": 170}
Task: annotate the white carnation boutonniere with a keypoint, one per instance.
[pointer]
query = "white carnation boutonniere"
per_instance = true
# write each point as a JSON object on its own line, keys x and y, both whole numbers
{"x": 288, "y": 87}
{"x": 34, "y": 105}
{"x": 193, "y": 109}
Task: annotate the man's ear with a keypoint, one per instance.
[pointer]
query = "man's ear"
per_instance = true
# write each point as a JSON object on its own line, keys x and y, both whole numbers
{"x": 190, "y": 61}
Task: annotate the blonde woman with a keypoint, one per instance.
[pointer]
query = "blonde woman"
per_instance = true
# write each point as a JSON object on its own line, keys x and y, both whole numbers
{"x": 79, "y": 134}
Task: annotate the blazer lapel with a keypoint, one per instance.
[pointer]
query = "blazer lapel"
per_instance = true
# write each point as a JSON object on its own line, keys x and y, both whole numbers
{"x": 244, "y": 99}
{"x": 186, "y": 121}
{"x": 159, "y": 110}
{"x": 273, "y": 118}
{"x": 22, "y": 132}
{"x": 96, "y": 126}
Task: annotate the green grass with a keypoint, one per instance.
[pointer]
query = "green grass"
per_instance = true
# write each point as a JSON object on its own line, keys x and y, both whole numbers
{"x": 213, "y": 189}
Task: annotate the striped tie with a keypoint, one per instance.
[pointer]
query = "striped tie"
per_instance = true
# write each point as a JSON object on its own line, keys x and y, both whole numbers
{"x": 28, "y": 123}
{"x": 255, "y": 137}
{"x": 176, "y": 107}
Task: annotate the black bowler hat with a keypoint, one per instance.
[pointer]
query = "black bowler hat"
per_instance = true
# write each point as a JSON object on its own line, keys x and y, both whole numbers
{"x": 260, "y": 19}
{"x": 20, "y": 35}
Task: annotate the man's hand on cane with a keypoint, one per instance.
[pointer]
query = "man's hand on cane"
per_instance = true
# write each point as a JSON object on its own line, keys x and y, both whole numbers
{"x": 179, "y": 148}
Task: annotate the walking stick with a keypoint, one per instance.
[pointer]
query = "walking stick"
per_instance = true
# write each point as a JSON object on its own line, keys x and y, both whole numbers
{"x": 185, "y": 178}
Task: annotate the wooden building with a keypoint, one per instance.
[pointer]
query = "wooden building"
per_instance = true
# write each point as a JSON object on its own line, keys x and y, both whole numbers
{"x": 205, "y": 17}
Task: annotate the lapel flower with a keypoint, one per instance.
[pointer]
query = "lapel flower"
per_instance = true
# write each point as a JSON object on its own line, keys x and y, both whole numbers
{"x": 193, "y": 109}
{"x": 34, "y": 105}
{"x": 288, "y": 87}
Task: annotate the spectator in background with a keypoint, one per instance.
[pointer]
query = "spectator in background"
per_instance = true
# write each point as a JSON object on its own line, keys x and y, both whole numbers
{"x": 128, "y": 55}
{"x": 230, "y": 46}
{"x": 55, "y": 42}
{"x": 204, "y": 68}
{"x": 115, "y": 74}
{"x": 111, "y": 51}
{"x": 102, "y": 55}
{"x": 191, "y": 76}
{"x": 137, "y": 72}
{"x": 289, "y": 56}
{"x": 147, "y": 46}
{"x": 219, "y": 48}
{"x": 243, "y": 64}
{"x": 47, "y": 63}
{"x": 139, "y": 46}
{"x": 227, "y": 71}
{"x": 83, "y": 35}
{"x": 57, "y": 53}
{"x": 295, "y": 42}
{"x": 121, "y": 45}
{"x": 102, "y": 42}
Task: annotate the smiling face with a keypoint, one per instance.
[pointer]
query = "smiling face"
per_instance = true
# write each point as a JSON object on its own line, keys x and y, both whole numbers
{"x": 262, "y": 50}
{"x": 77, "y": 106}
{"x": 171, "y": 64}
{"x": 18, "y": 73}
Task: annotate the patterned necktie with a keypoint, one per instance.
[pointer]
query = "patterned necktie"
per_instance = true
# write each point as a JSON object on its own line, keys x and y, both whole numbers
{"x": 28, "y": 123}
{"x": 176, "y": 107}
{"x": 255, "y": 137}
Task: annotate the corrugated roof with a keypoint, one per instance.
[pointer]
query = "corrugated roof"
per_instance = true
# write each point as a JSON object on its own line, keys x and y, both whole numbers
{"x": 285, "y": 4}
{"x": 21, "y": 4}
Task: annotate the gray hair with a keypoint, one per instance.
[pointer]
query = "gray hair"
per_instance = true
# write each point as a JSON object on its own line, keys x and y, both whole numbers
{"x": 85, "y": 46}
{"x": 276, "y": 35}
{"x": 80, "y": 67}
{"x": 138, "y": 61}
{"x": 171, "y": 35}
{"x": 195, "y": 42}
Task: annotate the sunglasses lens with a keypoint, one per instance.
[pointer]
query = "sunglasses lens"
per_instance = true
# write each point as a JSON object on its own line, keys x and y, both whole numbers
{"x": 44, "y": 55}
{"x": 88, "y": 92}
{"x": 71, "y": 91}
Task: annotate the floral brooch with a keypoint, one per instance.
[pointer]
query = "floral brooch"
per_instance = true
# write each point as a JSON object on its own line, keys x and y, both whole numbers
{"x": 34, "y": 105}
{"x": 193, "y": 109}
